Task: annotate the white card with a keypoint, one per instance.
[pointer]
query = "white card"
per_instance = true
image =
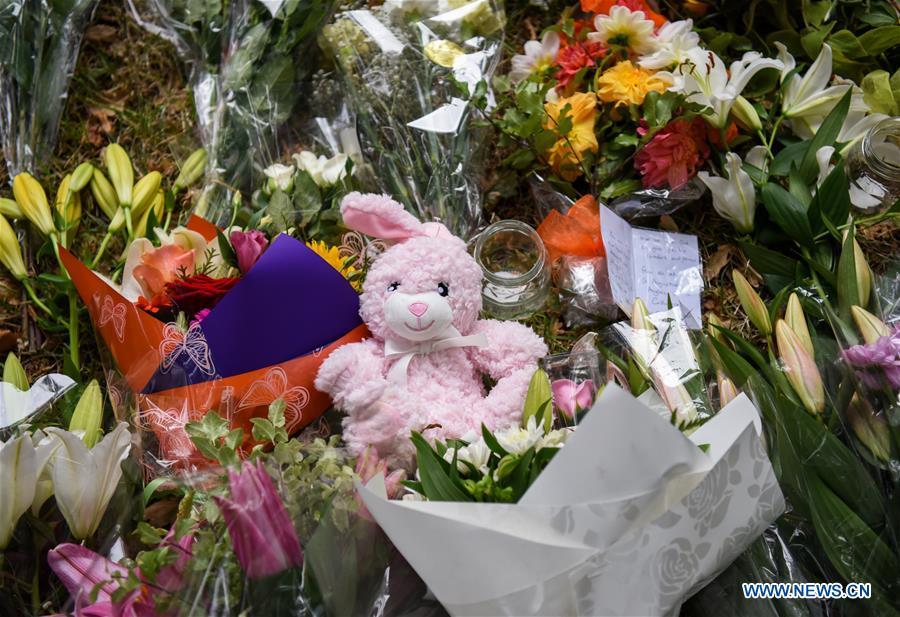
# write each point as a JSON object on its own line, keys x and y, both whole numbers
{"x": 653, "y": 266}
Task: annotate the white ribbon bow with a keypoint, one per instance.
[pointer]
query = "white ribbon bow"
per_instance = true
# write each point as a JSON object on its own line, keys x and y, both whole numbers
{"x": 403, "y": 350}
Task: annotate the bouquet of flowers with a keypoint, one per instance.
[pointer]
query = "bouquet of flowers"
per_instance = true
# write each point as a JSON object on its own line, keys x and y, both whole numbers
{"x": 39, "y": 44}
{"x": 412, "y": 72}
{"x": 245, "y": 59}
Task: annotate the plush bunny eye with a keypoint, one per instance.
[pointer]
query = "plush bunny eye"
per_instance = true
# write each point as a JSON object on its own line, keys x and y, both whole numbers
{"x": 443, "y": 289}
{"x": 393, "y": 286}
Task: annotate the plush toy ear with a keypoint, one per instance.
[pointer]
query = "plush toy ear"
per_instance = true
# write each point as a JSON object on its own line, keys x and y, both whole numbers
{"x": 379, "y": 216}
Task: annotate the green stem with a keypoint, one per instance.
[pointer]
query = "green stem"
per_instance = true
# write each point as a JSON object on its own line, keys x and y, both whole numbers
{"x": 128, "y": 223}
{"x": 101, "y": 250}
{"x": 35, "y": 300}
{"x": 73, "y": 329}
{"x": 774, "y": 134}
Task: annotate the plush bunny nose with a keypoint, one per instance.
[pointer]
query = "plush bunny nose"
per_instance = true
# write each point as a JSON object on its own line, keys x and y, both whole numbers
{"x": 418, "y": 308}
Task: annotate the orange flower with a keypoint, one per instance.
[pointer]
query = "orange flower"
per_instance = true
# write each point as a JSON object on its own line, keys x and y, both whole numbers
{"x": 566, "y": 154}
{"x": 601, "y": 7}
{"x": 627, "y": 84}
{"x": 161, "y": 266}
{"x": 575, "y": 233}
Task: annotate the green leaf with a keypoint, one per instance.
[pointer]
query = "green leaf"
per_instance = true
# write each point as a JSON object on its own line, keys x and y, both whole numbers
{"x": 825, "y": 136}
{"x": 306, "y": 197}
{"x": 814, "y": 13}
{"x": 434, "y": 474}
{"x": 767, "y": 261}
{"x": 150, "y": 489}
{"x": 276, "y": 412}
{"x": 225, "y": 249}
{"x": 492, "y": 442}
{"x": 878, "y": 93}
{"x": 879, "y": 40}
{"x": 788, "y": 213}
{"x": 848, "y": 44}
{"x": 280, "y": 211}
{"x": 832, "y": 201}
{"x": 788, "y": 157}
{"x": 847, "y": 289}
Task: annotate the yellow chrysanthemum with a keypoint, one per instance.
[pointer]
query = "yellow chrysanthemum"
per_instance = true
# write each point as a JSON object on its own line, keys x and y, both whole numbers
{"x": 627, "y": 84}
{"x": 566, "y": 154}
{"x": 332, "y": 255}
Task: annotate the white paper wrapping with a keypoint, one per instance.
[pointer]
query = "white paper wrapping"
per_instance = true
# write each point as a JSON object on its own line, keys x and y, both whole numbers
{"x": 630, "y": 518}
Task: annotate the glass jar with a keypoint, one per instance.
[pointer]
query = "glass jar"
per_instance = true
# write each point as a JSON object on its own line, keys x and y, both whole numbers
{"x": 516, "y": 274}
{"x": 873, "y": 168}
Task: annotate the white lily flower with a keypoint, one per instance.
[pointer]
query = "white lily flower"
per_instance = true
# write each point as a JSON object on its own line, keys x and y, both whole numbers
{"x": 477, "y": 454}
{"x": 823, "y": 159}
{"x": 18, "y": 476}
{"x": 625, "y": 27}
{"x": 704, "y": 79}
{"x": 282, "y": 176}
{"x": 45, "y": 447}
{"x": 856, "y": 125}
{"x": 517, "y": 440}
{"x": 324, "y": 171}
{"x": 84, "y": 480}
{"x": 734, "y": 197}
{"x": 675, "y": 40}
{"x": 758, "y": 156}
{"x": 538, "y": 56}
{"x": 555, "y": 438}
{"x": 809, "y": 99}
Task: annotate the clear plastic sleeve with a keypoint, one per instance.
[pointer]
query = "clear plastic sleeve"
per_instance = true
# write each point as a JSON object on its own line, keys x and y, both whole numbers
{"x": 648, "y": 203}
{"x": 39, "y": 45}
{"x": 410, "y": 72}
{"x": 246, "y": 60}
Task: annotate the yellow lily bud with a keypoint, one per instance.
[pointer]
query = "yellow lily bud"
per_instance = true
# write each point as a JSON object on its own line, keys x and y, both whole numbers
{"x": 863, "y": 275}
{"x": 796, "y": 319}
{"x": 88, "y": 415}
{"x": 158, "y": 208}
{"x": 32, "y": 200}
{"x": 121, "y": 173}
{"x": 539, "y": 393}
{"x": 192, "y": 170}
{"x": 752, "y": 304}
{"x": 104, "y": 194}
{"x": 870, "y": 327}
{"x": 800, "y": 368}
{"x": 68, "y": 202}
{"x": 144, "y": 192}
{"x": 640, "y": 316}
{"x": 872, "y": 430}
{"x": 81, "y": 176}
{"x": 14, "y": 373}
{"x": 8, "y": 207}
{"x": 713, "y": 324}
{"x": 727, "y": 390}
{"x": 11, "y": 251}
{"x": 746, "y": 115}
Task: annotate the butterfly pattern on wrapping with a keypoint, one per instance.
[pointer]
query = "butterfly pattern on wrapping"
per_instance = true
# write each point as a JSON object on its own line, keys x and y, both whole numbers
{"x": 272, "y": 387}
{"x": 354, "y": 246}
{"x": 169, "y": 426}
{"x": 176, "y": 343}
{"x": 111, "y": 312}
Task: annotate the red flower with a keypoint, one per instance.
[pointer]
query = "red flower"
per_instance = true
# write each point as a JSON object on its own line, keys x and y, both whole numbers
{"x": 715, "y": 136}
{"x": 198, "y": 292}
{"x": 674, "y": 154}
{"x": 575, "y": 57}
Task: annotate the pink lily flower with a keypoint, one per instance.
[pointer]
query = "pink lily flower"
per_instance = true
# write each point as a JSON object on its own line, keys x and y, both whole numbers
{"x": 261, "y": 530}
{"x": 369, "y": 465}
{"x": 571, "y": 397}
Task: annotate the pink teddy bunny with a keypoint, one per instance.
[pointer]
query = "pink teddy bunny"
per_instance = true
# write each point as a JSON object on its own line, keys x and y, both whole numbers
{"x": 423, "y": 367}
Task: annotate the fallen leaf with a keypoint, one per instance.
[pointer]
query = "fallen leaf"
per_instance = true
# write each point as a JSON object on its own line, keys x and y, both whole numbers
{"x": 100, "y": 33}
{"x": 8, "y": 341}
{"x": 717, "y": 261}
{"x": 667, "y": 223}
{"x": 99, "y": 125}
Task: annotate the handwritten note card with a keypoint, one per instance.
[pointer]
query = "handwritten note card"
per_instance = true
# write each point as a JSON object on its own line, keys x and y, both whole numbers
{"x": 652, "y": 265}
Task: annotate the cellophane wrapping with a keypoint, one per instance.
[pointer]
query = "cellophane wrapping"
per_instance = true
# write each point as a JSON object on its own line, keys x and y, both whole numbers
{"x": 246, "y": 60}
{"x": 410, "y": 73}
{"x": 39, "y": 45}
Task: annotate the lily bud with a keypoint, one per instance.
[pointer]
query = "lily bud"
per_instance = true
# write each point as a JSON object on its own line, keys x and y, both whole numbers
{"x": 746, "y": 115}
{"x": 81, "y": 176}
{"x": 121, "y": 173}
{"x": 11, "y": 251}
{"x": 192, "y": 170}
{"x": 538, "y": 394}
{"x": 752, "y": 304}
{"x": 640, "y": 316}
{"x": 144, "y": 192}
{"x": 158, "y": 208}
{"x": 796, "y": 320}
{"x": 32, "y": 200}
{"x": 9, "y": 207}
{"x": 863, "y": 274}
{"x": 88, "y": 415}
{"x": 68, "y": 203}
{"x": 104, "y": 194}
{"x": 870, "y": 327}
{"x": 870, "y": 429}
{"x": 14, "y": 373}
{"x": 727, "y": 390}
{"x": 713, "y": 324}
{"x": 800, "y": 368}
